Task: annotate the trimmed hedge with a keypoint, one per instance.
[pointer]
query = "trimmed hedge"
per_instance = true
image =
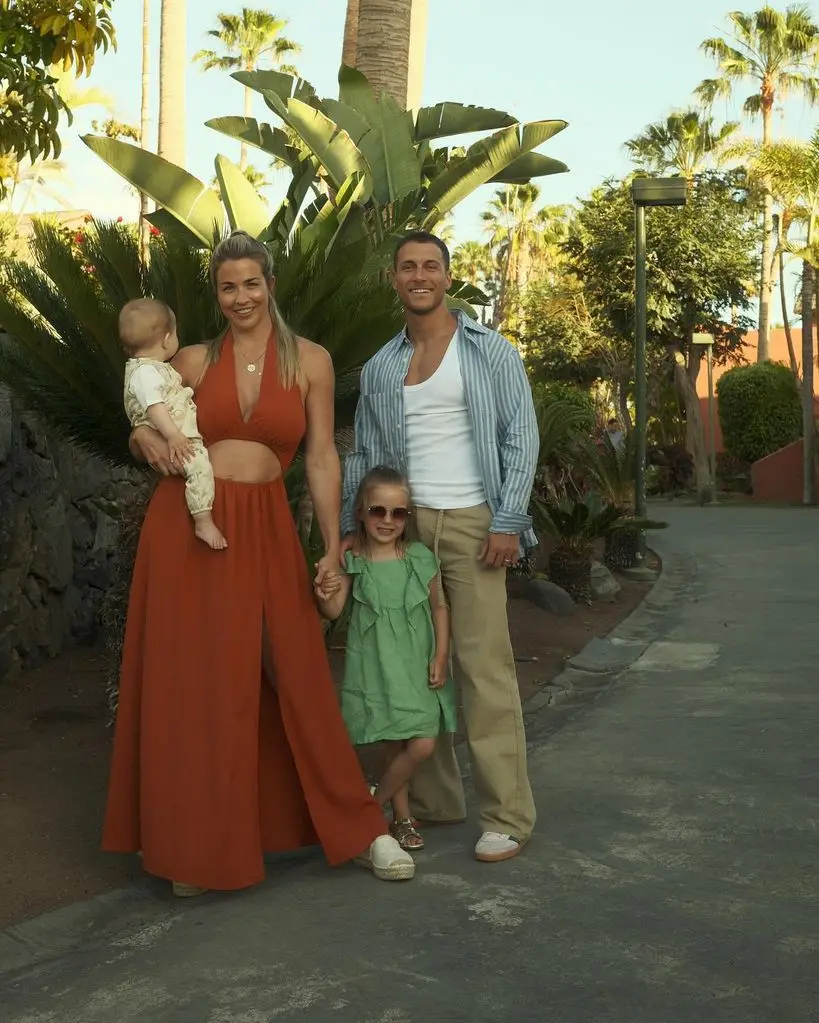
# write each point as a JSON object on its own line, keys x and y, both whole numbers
{"x": 759, "y": 409}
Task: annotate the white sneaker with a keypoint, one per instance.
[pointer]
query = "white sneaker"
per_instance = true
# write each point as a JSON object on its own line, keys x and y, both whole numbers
{"x": 388, "y": 861}
{"x": 493, "y": 847}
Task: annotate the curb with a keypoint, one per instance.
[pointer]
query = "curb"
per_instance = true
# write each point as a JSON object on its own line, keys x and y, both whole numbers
{"x": 604, "y": 660}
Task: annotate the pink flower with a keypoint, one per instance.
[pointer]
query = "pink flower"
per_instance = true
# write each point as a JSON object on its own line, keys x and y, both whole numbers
{"x": 119, "y": 220}
{"x": 155, "y": 232}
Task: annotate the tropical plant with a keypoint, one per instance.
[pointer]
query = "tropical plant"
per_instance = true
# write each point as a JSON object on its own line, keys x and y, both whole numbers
{"x": 388, "y": 151}
{"x": 776, "y": 50}
{"x": 575, "y": 525}
{"x": 33, "y": 39}
{"x": 248, "y": 39}
{"x": 759, "y": 410}
{"x": 685, "y": 143}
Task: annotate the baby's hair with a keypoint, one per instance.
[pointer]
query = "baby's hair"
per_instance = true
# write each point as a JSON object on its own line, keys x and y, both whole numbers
{"x": 380, "y": 476}
{"x": 144, "y": 322}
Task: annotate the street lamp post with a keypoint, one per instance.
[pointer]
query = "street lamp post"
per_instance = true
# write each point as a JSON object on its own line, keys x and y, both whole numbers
{"x": 707, "y": 341}
{"x": 645, "y": 192}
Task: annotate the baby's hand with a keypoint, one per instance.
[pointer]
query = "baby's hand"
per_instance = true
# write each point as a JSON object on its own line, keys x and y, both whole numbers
{"x": 438, "y": 673}
{"x": 180, "y": 449}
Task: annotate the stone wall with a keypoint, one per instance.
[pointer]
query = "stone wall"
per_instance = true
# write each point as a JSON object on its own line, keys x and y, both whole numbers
{"x": 58, "y": 533}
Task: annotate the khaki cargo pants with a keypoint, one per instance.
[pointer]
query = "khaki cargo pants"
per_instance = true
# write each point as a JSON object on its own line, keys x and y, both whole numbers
{"x": 485, "y": 675}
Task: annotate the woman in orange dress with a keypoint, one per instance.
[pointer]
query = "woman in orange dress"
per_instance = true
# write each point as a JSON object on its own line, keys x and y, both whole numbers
{"x": 229, "y": 739}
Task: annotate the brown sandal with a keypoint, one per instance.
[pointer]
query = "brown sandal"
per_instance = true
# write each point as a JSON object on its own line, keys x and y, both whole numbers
{"x": 407, "y": 835}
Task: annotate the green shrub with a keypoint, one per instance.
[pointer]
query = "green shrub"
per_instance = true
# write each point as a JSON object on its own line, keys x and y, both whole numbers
{"x": 546, "y": 394}
{"x": 759, "y": 410}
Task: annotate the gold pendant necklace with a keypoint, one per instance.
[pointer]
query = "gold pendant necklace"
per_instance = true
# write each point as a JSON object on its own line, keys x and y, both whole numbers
{"x": 251, "y": 366}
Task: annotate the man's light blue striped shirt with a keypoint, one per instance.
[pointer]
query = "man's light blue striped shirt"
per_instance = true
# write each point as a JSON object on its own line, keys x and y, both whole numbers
{"x": 499, "y": 400}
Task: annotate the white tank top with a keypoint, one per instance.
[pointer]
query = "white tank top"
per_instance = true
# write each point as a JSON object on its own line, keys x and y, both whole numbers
{"x": 442, "y": 458}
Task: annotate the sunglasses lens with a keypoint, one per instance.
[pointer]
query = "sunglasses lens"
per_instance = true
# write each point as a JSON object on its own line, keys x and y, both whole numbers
{"x": 378, "y": 511}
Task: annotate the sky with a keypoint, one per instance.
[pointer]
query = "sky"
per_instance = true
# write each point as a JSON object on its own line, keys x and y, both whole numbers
{"x": 608, "y": 68}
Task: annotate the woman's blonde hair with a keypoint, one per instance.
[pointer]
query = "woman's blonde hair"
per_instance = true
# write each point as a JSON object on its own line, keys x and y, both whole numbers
{"x": 240, "y": 245}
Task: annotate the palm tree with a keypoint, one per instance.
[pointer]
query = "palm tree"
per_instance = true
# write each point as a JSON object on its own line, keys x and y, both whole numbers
{"x": 349, "y": 50}
{"x": 777, "y": 51}
{"x": 249, "y": 39}
{"x": 685, "y": 143}
{"x": 173, "y": 64}
{"x": 383, "y": 49}
{"x": 792, "y": 172}
{"x": 145, "y": 121}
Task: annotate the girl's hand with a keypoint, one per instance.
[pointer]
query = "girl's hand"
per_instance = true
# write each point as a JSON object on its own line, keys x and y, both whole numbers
{"x": 327, "y": 585}
{"x": 327, "y": 567}
{"x": 438, "y": 673}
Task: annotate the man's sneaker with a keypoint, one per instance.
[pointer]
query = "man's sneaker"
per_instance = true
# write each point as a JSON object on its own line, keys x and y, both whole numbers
{"x": 493, "y": 847}
{"x": 388, "y": 861}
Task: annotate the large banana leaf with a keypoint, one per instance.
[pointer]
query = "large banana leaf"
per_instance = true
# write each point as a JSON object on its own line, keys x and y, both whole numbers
{"x": 447, "y": 119}
{"x": 332, "y": 146}
{"x": 282, "y": 85}
{"x": 384, "y": 134}
{"x": 532, "y": 165}
{"x": 483, "y": 161}
{"x": 261, "y": 136}
{"x": 186, "y": 197}
{"x": 245, "y": 210}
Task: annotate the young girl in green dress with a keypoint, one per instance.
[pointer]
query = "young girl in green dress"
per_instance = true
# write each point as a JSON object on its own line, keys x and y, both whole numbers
{"x": 396, "y": 687}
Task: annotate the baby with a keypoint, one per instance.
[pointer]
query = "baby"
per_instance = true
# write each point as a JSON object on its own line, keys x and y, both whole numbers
{"x": 156, "y": 397}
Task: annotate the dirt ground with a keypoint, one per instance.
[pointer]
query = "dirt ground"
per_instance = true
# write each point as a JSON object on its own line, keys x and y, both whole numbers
{"x": 54, "y": 747}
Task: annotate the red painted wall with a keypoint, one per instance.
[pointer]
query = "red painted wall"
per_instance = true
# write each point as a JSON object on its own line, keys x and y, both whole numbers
{"x": 779, "y": 476}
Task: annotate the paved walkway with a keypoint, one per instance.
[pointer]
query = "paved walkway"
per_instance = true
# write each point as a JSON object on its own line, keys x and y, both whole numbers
{"x": 673, "y": 877}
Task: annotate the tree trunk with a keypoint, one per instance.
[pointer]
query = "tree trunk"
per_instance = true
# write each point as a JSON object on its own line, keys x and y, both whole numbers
{"x": 349, "y": 51}
{"x": 384, "y": 32}
{"x": 685, "y": 377}
{"x": 173, "y": 66}
{"x": 765, "y": 279}
{"x": 785, "y": 317}
{"x": 808, "y": 424}
{"x": 145, "y": 123}
{"x": 248, "y": 112}
{"x": 417, "y": 54}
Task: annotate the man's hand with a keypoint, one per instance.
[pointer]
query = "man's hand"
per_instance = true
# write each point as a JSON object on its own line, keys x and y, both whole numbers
{"x": 347, "y": 544}
{"x": 153, "y": 448}
{"x": 500, "y": 550}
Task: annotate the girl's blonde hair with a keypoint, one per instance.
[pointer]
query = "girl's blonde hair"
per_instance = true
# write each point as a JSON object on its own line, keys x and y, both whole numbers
{"x": 380, "y": 476}
{"x": 240, "y": 245}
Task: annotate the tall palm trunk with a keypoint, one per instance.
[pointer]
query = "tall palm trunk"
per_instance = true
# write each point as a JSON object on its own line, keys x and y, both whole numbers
{"x": 248, "y": 111}
{"x": 766, "y": 269}
{"x": 173, "y": 66}
{"x": 808, "y": 424}
{"x": 145, "y": 121}
{"x": 417, "y": 53}
{"x": 349, "y": 52}
{"x": 384, "y": 32}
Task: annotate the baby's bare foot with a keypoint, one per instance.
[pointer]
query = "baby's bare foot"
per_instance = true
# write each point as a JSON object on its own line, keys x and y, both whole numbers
{"x": 207, "y": 530}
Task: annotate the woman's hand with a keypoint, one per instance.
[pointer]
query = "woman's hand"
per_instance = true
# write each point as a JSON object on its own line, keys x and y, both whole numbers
{"x": 152, "y": 448}
{"x": 326, "y": 568}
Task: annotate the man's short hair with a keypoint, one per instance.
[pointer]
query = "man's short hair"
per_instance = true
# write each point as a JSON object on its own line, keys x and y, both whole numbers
{"x": 143, "y": 322}
{"x": 423, "y": 238}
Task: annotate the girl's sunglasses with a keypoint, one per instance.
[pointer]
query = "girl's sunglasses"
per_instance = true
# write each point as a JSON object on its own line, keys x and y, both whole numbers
{"x": 378, "y": 511}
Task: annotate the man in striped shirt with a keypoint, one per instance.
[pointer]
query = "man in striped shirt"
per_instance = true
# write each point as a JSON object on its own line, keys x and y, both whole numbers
{"x": 447, "y": 401}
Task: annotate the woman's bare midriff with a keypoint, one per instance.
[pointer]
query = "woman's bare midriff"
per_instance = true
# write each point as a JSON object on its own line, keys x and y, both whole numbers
{"x": 244, "y": 461}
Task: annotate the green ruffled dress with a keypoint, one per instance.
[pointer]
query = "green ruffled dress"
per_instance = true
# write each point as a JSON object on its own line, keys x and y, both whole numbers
{"x": 390, "y": 644}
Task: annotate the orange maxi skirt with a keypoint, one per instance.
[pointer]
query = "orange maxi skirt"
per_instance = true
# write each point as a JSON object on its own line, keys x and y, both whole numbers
{"x": 211, "y": 767}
